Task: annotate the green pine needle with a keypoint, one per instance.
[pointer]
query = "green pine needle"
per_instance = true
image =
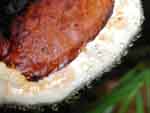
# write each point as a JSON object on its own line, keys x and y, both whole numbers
{"x": 139, "y": 103}
{"x": 147, "y": 81}
{"x": 125, "y": 106}
{"x": 129, "y": 85}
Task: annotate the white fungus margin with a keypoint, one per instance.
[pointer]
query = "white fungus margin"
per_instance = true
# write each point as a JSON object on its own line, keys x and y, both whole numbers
{"x": 98, "y": 56}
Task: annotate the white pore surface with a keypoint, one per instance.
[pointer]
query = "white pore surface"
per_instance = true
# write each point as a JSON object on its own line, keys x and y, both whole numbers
{"x": 98, "y": 56}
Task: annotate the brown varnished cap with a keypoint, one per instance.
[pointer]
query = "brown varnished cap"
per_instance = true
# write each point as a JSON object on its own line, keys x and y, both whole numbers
{"x": 51, "y": 33}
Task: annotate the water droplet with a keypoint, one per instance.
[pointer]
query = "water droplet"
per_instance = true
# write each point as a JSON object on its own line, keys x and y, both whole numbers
{"x": 131, "y": 45}
{"x": 125, "y": 53}
{"x": 55, "y": 107}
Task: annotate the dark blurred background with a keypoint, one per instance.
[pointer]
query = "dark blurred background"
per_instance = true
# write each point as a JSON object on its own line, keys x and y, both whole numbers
{"x": 138, "y": 53}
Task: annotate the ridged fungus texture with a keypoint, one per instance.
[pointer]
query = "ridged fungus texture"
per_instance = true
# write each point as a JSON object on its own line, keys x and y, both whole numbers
{"x": 49, "y": 34}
